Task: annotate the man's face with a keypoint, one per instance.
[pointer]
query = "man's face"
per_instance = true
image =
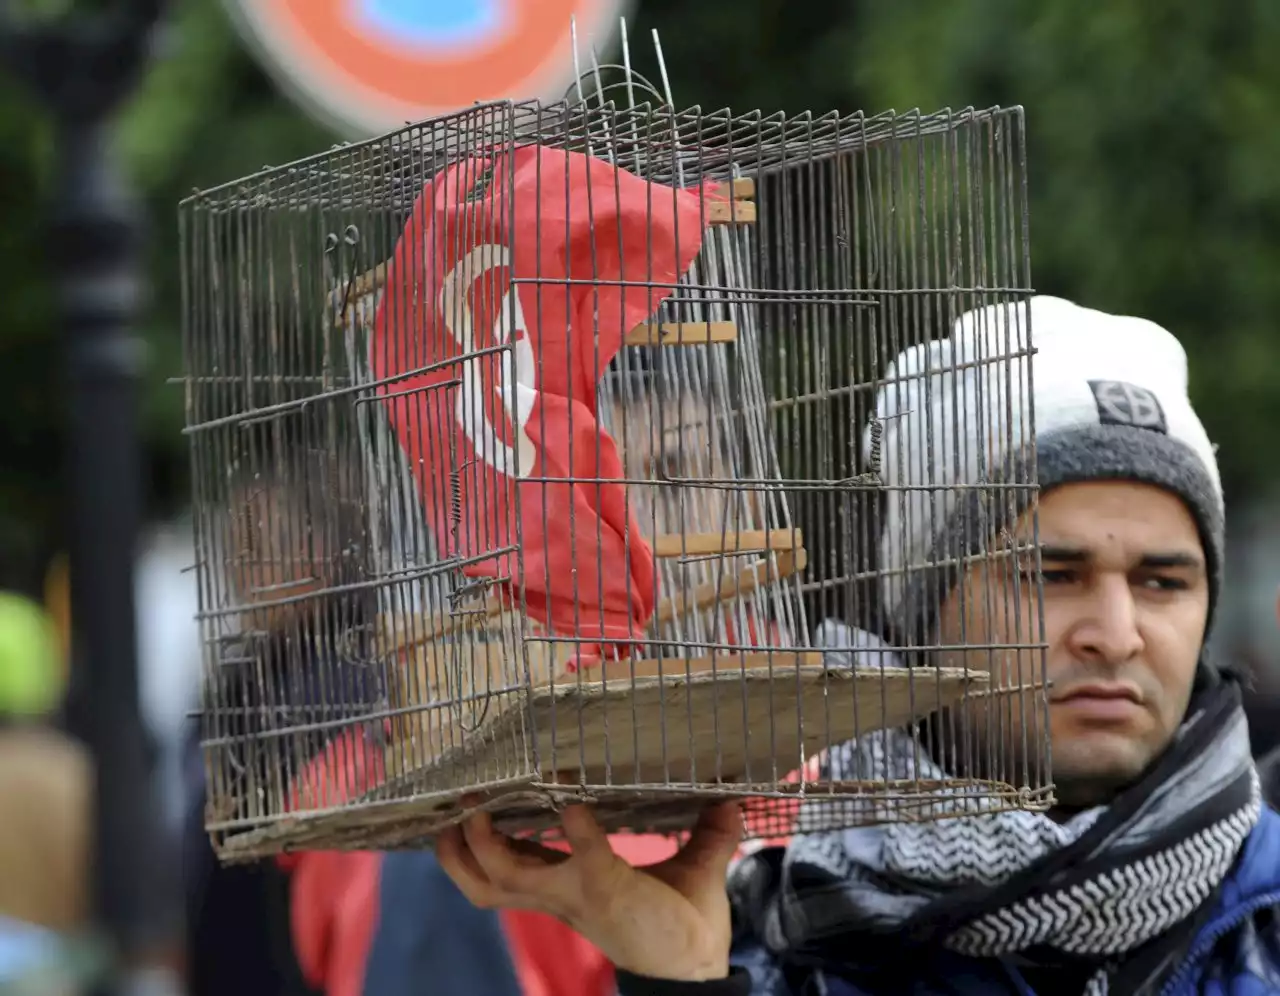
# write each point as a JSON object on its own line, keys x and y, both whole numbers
{"x": 1125, "y": 606}
{"x": 673, "y": 438}
{"x": 274, "y": 556}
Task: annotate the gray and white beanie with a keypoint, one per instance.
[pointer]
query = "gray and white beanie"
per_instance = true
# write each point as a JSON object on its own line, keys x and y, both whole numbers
{"x": 1110, "y": 403}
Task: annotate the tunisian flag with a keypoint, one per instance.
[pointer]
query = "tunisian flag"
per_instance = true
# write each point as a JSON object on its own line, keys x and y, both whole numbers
{"x": 530, "y": 247}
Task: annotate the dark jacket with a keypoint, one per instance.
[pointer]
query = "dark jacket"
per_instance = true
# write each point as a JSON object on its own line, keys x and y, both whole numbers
{"x": 1236, "y": 952}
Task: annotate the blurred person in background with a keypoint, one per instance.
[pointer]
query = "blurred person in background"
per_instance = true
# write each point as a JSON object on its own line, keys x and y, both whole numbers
{"x": 1248, "y": 635}
{"x": 1269, "y": 763}
{"x": 46, "y": 782}
{"x": 327, "y": 923}
{"x": 168, "y": 652}
{"x": 242, "y": 919}
{"x": 1261, "y": 693}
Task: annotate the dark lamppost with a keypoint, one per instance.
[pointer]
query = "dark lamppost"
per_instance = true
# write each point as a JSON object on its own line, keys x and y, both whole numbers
{"x": 82, "y": 66}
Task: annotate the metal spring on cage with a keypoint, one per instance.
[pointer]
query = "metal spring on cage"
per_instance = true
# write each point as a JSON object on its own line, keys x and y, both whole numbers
{"x": 871, "y": 476}
{"x": 630, "y": 82}
{"x": 461, "y": 590}
{"x": 877, "y": 438}
{"x": 631, "y": 79}
{"x": 348, "y": 651}
{"x": 455, "y": 503}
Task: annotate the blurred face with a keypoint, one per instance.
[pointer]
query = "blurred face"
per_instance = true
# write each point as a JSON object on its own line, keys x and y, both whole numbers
{"x": 272, "y": 559}
{"x": 1125, "y": 606}
{"x": 672, "y": 437}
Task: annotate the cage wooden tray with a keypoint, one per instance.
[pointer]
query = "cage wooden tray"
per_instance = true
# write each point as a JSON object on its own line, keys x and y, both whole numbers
{"x": 752, "y": 717}
{"x": 743, "y": 717}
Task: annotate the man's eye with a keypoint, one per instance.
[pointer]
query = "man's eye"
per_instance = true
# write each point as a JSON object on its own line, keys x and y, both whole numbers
{"x": 1050, "y": 576}
{"x": 1158, "y": 583}
{"x": 665, "y": 465}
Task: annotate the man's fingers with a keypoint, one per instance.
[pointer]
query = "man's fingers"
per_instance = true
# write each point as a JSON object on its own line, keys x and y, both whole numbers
{"x": 460, "y": 865}
{"x": 518, "y": 870}
{"x": 715, "y": 838}
{"x": 489, "y": 849}
{"x": 531, "y": 852}
{"x": 590, "y": 844}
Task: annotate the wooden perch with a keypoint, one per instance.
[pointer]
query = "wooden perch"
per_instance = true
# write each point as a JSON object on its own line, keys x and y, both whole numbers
{"x": 681, "y": 334}
{"x": 705, "y": 544}
{"x": 731, "y": 213}
{"x": 644, "y": 334}
{"x": 704, "y": 596}
{"x": 710, "y": 594}
{"x": 738, "y": 208}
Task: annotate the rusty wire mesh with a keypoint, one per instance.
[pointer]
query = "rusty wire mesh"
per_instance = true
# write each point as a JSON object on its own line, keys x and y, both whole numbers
{"x": 529, "y": 463}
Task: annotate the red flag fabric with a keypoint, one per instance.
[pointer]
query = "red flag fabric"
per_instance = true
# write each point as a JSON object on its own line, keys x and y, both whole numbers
{"x": 530, "y": 247}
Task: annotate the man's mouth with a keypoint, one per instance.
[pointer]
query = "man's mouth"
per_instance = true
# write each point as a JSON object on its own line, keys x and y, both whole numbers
{"x": 1107, "y": 690}
{"x": 1107, "y": 701}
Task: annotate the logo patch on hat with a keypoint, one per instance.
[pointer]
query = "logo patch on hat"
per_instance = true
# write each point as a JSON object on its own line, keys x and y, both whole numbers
{"x": 1121, "y": 403}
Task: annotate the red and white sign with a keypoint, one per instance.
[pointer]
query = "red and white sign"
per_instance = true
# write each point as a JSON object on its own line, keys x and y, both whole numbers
{"x": 369, "y": 66}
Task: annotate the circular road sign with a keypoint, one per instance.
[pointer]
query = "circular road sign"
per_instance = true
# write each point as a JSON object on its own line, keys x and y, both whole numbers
{"x": 369, "y": 66}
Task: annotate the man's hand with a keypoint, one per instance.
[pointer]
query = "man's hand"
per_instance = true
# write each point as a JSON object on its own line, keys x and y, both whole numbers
{"x": 667, "y": 921}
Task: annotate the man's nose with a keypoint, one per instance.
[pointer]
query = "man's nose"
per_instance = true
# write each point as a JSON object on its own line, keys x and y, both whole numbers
{"x": 1110, "y": 632}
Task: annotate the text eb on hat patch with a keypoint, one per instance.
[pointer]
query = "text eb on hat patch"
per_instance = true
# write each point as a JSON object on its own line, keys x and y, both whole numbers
{"x": 1122, "y": 403}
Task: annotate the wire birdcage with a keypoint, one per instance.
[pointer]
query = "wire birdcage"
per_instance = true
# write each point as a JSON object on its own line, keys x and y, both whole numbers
{"x": 528, "y": 468}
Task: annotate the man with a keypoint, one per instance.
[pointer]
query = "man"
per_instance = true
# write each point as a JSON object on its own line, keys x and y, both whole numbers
{"x": 1159, "y": 870}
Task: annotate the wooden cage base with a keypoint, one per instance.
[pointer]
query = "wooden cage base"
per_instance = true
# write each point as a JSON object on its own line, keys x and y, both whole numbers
{"x": 655, "y": 748}
{"x": 530, "y": 807}
{"x": 750, "y": 717}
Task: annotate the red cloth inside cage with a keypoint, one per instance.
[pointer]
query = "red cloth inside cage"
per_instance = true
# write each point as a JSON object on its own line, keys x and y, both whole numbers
{"x": 530, "y": 247}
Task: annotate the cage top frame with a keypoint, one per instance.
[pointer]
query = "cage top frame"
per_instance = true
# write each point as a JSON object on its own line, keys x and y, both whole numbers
{"x": 711, "y": 145}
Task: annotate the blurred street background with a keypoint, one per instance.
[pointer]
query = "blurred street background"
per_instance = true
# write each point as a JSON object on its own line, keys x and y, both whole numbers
{"x": 1154, "y": 191}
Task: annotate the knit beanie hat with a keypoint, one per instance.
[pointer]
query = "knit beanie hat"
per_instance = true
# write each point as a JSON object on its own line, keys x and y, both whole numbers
{"x": 1110, "y": 403}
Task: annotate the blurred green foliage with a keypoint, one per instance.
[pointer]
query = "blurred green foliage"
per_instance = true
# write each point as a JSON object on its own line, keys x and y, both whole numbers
{"x": 1153, "y": 151}
{"x": 1152, "y": 143}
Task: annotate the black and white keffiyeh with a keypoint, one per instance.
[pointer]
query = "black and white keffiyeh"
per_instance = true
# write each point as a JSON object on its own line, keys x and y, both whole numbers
{"x": 1087, "y": 891}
